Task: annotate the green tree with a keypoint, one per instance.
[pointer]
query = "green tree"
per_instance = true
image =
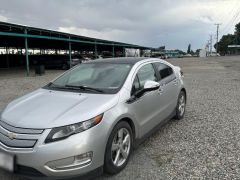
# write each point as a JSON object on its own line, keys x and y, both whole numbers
{"x": 237, "y": 34}
{"x": 197, "y": 51}
{"x": 237, "y": 29}
{"x": 224, "y": 42}
{"x": 189, "y": 49}
{"x": 180, "y": 51}
{"x": 229, "y": 39}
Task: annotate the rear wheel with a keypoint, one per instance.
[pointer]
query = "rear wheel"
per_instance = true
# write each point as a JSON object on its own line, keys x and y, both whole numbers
{"x": 118, "y": 148}
{"x": 181, "y": 106}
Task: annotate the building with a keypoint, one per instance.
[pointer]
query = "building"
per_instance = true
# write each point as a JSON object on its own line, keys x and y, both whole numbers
{"x": 20, "y": 43}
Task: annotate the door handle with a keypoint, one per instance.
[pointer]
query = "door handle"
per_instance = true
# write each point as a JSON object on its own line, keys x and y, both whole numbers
{"x": 161, "y": 88}
{"x": 175, "y": 81}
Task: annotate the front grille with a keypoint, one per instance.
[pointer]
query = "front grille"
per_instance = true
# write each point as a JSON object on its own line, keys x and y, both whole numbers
{"x": 18, "y": 137}
{"x": 20, "y": 130}
{"x": 19, "y": 143}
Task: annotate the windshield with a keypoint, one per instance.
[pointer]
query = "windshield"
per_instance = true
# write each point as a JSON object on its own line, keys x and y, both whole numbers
{"x": 94, "y": 77}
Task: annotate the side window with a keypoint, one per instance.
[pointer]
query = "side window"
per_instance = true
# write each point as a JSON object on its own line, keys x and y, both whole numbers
{"x": 145, "y": 73}
{"x": 164, "y": 70}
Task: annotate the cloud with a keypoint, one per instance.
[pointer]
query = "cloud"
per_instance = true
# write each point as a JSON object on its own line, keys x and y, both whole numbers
{"x": 145, "y": 22}
{"x": 108, "y": 34}
{"x": 3, "y": 18}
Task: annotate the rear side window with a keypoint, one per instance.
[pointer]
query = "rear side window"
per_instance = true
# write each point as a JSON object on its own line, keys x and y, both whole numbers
{"x": 164, "y": 70}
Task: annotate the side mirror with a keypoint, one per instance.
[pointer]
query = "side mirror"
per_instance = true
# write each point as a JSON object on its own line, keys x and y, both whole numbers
{"x": 148, "y": 86}
{"x": 151, "y": 86}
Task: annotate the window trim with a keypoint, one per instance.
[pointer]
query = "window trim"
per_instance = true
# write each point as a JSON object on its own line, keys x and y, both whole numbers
{"x": 132, "y": 85}
{"x": 160, "y": 77}
{"x": 136, "y": 74}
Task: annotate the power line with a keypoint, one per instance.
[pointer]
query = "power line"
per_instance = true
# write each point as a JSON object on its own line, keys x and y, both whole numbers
{"x": 231, "y": 9}
{"x": 233, "y": 22}
{"x": 229, "y": 25}
{"x": 233, "y": 12}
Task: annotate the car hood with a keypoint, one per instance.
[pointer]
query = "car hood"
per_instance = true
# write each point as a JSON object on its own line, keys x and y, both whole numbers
{"x": 44, "y": 109}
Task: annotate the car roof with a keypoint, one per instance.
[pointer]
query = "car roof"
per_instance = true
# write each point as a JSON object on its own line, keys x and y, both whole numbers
{"x": 120, "y": 60}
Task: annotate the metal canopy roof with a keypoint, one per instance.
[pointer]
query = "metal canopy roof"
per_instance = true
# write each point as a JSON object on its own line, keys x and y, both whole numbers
{"x": 26, "y": 37}
{"x": 13, "y": 35}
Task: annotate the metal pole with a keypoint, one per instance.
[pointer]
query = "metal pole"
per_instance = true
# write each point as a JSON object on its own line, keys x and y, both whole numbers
{"x": 207, "y": 48}
{"x": 95, "y": 50}
{"x": 135, "y": 54}
{"x": 113, "y": 53}
{"x": 7, "y": 58}
{"x": 124, "y": 52}
{"x": 210, "y": 44}
{"x": 70, "y": 52}
{"x": 217, "y": 37}
{"x": 26, "y": 52}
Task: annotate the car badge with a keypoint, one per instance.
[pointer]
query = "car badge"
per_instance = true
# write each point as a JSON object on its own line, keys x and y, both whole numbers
{"x": 12, "y": 136}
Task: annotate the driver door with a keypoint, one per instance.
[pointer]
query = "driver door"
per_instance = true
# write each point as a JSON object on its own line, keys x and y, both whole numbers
{"x": 146, "y": 107}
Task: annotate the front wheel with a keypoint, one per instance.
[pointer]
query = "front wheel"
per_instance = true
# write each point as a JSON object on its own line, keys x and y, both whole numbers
{"x": 118, "y": 148}
{"x": 181, "y": 106}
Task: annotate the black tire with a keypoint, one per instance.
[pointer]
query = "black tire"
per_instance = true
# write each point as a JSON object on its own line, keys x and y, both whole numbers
{"x": 179, "y": 115}
{"x": 109, "y": 166}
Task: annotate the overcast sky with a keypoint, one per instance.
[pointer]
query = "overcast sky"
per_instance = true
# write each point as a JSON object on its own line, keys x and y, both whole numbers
{"x": 174, "y": 23}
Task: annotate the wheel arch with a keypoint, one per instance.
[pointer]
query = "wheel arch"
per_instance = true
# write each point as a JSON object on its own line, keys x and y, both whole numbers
{"x": 106, "y": 167}
{"x": 131, "y": 124}
{"x": 184, "y": 90}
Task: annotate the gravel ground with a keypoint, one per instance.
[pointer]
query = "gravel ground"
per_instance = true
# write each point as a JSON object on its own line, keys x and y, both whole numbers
{"x": 205, "y": 144}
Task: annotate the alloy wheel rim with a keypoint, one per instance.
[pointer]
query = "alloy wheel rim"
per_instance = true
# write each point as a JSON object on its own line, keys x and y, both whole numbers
{"x": 121, "y": 147}
{"x": 181, "y": 106}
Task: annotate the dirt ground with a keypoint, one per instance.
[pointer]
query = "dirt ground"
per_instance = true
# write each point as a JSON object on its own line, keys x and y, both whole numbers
{"x": 205, "y": 144}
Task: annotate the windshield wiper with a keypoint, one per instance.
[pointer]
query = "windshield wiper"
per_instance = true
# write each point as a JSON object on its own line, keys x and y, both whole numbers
{"x": 49, "y": 84}
{"x": 84, "y": 88}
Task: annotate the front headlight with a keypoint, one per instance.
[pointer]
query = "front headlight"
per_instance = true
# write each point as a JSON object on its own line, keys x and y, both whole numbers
{"x": 60, "y": 133}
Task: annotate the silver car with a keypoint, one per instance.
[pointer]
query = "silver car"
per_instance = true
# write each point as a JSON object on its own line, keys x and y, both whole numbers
{"x": 89, "y": 119}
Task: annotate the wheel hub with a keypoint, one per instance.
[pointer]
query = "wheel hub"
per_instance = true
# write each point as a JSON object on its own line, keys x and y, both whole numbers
{"x": 181, "y": 106}
{"x": 121, "y": 147}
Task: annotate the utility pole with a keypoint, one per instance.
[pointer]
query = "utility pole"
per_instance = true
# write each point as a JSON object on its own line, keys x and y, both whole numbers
{"x": 217, "y": 24}
{"x": 208, "y": 47}
{"x": 210, "y": 42}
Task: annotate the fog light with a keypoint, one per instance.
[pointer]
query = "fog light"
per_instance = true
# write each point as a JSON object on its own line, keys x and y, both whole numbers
{"x": 71, "y": 163}
{"x": 83, "y": 158}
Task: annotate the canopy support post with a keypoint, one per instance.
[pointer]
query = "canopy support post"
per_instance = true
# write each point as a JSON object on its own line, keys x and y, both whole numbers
{"x": 70, "y": 52}
{"x": 26, "y": 52}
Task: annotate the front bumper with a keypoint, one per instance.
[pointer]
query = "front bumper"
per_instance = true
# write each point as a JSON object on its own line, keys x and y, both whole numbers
{"x": 43, "y": 157}
{"x": 30, "y": 174}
